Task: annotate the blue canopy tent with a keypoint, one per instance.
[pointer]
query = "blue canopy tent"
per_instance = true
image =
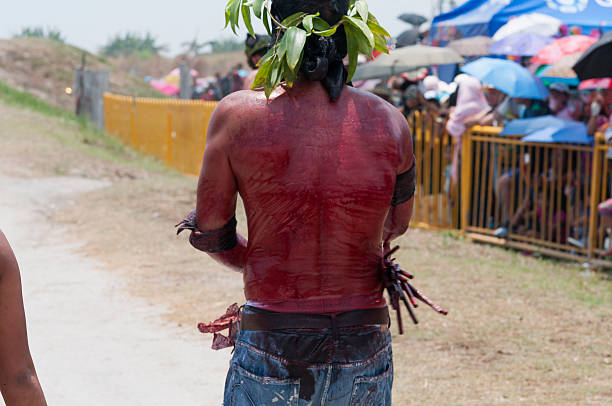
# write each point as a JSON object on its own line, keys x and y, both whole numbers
{"x": 482, "y": 17}
{"x": 470, "y": 19}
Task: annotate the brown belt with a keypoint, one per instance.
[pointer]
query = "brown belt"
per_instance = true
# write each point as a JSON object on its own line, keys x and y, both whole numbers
{"x": 257, "y": 319}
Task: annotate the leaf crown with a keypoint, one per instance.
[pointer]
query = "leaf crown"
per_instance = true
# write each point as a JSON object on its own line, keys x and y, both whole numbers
{"x": 283, "y": 61}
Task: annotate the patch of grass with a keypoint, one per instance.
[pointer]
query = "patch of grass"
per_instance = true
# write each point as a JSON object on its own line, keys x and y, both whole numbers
{"x": 14, "y": 97}
{"x": 90, "y": 139}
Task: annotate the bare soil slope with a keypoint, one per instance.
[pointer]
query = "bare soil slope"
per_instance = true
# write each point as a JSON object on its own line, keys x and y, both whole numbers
{"x": 159, "y": 66}
{"x": 45, "y": 68}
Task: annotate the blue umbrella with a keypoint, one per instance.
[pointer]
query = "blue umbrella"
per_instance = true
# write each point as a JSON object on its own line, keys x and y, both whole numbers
{"x": 549, "y": 129}
{"x": 522, "y": 43}
{"x": 565, "y": 135}
{"x": 507, "y": 76}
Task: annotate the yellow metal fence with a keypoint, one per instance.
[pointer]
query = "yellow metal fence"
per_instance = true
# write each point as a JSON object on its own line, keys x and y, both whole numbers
{"x": 545, "y": 194}
{"x": 437, "y": 198}
{"x": 534, "y": 196}
{"x": 171, "y": 130}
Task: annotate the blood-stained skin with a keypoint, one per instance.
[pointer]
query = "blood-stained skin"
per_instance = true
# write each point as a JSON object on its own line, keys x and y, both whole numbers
{"x": 316, "y": 178}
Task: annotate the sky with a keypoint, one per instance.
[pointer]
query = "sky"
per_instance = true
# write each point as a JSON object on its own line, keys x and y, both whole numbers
{"x": 89, "y": 24}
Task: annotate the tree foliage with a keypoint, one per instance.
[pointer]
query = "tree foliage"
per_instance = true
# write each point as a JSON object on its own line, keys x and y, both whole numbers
{"x": 133, "y": 44}
{"x": 40, "y": 32}
{"x": 225, "y": 45}
{"x": 193, "y": 47}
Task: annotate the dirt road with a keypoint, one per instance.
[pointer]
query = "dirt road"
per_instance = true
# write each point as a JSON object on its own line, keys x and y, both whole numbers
{"x": 93, "y": 343}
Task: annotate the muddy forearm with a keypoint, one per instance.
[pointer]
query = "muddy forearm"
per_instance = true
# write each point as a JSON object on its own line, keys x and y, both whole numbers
{"x": 235, "y": 258}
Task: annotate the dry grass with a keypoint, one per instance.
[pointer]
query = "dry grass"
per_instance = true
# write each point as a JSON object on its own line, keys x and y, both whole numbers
{"x": 521, "y": 330}
{"x": 45, "y": 68}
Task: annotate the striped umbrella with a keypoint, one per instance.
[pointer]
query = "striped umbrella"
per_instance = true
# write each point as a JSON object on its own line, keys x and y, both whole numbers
{"x": 562, "y": 71}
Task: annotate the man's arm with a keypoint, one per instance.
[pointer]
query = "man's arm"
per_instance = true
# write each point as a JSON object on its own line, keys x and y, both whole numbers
{"x": 18, "y": 381}
{"x": 217, "y": 194}
{"x": 398, "y": 218}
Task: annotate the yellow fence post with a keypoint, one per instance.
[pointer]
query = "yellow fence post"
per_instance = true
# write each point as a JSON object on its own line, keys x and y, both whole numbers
{"x": 596, "y": 175}
{"x": 466, "y": 177}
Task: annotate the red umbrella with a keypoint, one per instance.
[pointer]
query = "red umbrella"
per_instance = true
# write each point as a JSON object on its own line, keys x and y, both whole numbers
{"x": 557, "y": 49}
{"x": 596, "y": 84}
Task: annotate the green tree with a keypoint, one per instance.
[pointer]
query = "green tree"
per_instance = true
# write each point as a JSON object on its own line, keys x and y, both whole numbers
{"x": 194, "y": 47}
{"x": 133, "y": 44}
{"x": 225, "y": 45}
{"x": 39, "y": 32}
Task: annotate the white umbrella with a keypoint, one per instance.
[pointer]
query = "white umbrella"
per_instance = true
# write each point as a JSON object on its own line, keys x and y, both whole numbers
{"x": 536, "y": 23}
{"x": 406, "y": 59}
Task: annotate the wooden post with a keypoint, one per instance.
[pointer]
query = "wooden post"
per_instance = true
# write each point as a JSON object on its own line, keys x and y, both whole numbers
{"x": 186, "y": 82}
{"x": 89, "y": 89}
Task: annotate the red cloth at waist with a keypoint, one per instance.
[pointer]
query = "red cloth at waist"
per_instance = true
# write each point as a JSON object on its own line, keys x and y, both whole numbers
{"x": 324, "y": 305}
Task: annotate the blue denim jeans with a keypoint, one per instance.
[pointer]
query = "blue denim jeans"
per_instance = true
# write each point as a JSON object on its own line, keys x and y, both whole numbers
{"x": 348, "y": 366}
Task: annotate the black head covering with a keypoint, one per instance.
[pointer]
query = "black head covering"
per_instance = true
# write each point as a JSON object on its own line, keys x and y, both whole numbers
{"x": 322, "y": 55}
{"x": 257, "y": 45}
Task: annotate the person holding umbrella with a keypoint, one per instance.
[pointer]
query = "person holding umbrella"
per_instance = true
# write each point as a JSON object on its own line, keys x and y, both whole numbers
{"x": 601, "y": 111}
{"x": 558, "y": 101}
{"x": 470, "y": 103}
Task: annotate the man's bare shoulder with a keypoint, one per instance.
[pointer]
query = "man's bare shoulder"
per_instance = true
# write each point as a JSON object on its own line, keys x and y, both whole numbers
{"x": 379, "y": 105}
{"x": 234, "y": 110}
{"x": 242, "y": 102}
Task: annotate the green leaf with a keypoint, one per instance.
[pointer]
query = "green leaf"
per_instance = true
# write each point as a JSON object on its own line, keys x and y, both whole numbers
{"x": 327, "y": 33}
{"x": 267, "y": 56}
{"x": 353, "y": 37}
{"x": 293, "y": 20}
{"x": 380, "y": 44}
{"x": 282, "y": 46}
{"x": 276, "y": 73}
{"x": 308, "y": 23}
{"x": 227, "y": 14}
{"x": 363, "y": 27}
{"x": 262, "y": 75}
{"x": 235, "y": 14}
{"x": 246, "y": 16}
{"x": 377, "y": 29}
{"x": 296, "y": 40}
{"x": 268, "y": 89}
{"x": 257, "y": 5}
{"x": 362, "y": 9}
{"x": 289, "y": 76}
{"x": 320, "y": 24}
{"x": 266, "y": 21}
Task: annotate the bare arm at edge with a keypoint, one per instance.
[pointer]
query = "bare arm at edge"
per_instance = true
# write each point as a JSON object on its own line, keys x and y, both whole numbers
{"x": 398, "y": 218}
{"x": 18, "y": 380}
{"x": 217, "y": 188}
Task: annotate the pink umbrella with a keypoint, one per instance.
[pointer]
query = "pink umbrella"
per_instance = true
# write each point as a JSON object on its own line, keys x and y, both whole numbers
{"x": 168, "y": 89}
{"x": 596, "y": 84}
{"x": 557, "y": 49}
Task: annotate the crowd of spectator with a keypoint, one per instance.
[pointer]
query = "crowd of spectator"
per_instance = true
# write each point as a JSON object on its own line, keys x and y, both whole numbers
{"x": 538, "y": 213}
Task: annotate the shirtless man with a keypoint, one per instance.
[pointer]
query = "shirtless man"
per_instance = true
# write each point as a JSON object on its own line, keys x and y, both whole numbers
{"x": 325, "y": 184}
{"x": 18, "y": 381}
